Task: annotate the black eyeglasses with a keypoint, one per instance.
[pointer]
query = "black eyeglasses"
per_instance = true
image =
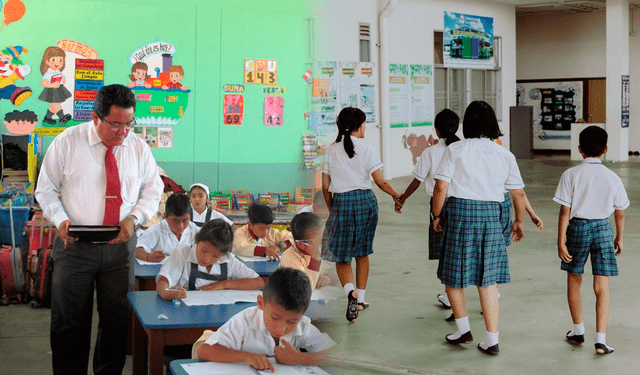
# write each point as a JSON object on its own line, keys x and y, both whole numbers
{"x": 115, "y": 126}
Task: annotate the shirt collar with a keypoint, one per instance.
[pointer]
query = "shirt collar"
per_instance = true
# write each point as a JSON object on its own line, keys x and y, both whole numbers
{"x": 257, "y": 323}
{"x": 592, "y": 161}
{"x": 94, "y": 138}
{"x": 252, "y": 234}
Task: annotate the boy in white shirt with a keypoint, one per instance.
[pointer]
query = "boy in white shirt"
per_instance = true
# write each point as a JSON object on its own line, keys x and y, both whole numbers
{"x": 175, "y": 230}
{"x": 276, "y": 327}
{"x": 257, "y": 238}
{"x": 589, "y": 193}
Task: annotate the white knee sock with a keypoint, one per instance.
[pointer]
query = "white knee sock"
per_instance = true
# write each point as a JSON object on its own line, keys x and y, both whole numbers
{"x": 578, "y": 329}
{"x": 463, "y": 327}
{"x": 348, "y": 287}
{"x": 361, "y": 295}
{"x": 490, "y": 339}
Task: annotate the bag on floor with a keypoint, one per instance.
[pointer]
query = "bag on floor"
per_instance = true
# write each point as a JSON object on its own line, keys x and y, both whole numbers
{"x": 11, "y": 271}
{"x": 38, "y": 236}
{"x": 41, "y": 269}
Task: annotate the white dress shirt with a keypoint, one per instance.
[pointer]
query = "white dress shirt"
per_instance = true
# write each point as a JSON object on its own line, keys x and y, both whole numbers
{"x": 178, "y": 268}
{"x": 479, "y": 169}
{"x": 72, "y": 182}
{"x": 592, "y": 190}
{"x": 246, "y": 331}
{"x": 160, "y": 237}
{"x": 428, "y": 163}
{"x": 351, "y": 174}
{"x": 201, "y": 218}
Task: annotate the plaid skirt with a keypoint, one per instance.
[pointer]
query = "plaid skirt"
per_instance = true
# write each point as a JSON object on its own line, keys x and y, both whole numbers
{"x": 505, "y": 218}
{"x": 473, "y": 247}
{"x": 435, "y": 238}
{"x": 351, "y": 226}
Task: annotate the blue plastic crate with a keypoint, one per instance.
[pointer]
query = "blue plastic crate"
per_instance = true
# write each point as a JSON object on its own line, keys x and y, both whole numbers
{"x": 20, "y": 217}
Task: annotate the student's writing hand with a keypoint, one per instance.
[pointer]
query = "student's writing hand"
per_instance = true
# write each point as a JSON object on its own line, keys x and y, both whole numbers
{"x": 127, "y": 228}
{"x": 323, "y": 280}
{"x": 437, "y": 225}
{"x": 156, "y": 256}
{"x": 272, "y": 252}
{"x": 517, "y": 231}
{"x": 64, "y": 234}
{"x": 175, "y": 292}
{"x": 259, "y": 362}
{"x": 617, "y": 245}
{"x": 537, "y": 221}
{"x": 286, "y": 354}
{"x": 563, "y": 253}
{"x": 218, "y": 285}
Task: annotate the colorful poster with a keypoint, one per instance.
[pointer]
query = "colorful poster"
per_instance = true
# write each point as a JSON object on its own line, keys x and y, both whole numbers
{"x": 328, "y": 70}
{"x": 348, "y": 85}
{"x": 233, "y": 109}
{"x": 625, "y": 101}
{"x": 367, "y": 94}
{"x": 324, "y": 99}
{"x": 273, "y": 111}
{"x": 165, "y": 137}
{"x": 260, "y": 72}
{"x": 323, "y": 117}
{"x": 139, "y": 131}
{"x": 399, "y": 95}
{"x": 421, "y": 95}
{"x": 151, "y": 137}
{"x": 321, "y": 87}
{"x": 89, "y": 78}
{"x": 468, "y": 41}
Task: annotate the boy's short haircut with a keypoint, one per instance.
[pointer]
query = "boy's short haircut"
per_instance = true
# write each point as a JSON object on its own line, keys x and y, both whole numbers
{"x": 260, "y": 214}
{"x": 178, "y": 205}
{"x": 288, "y": 288}
{"x": 217, "y": 232}
{"x": 593, "y": 141}
{"x": 303, "y": 223}
{"x": 176, "y": 69}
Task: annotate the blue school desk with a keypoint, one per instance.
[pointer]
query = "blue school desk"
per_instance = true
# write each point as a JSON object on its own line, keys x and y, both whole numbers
{"x": 176, "y": 366}
{"x": 264, "y": 269}
{"x": 184, "y": 325}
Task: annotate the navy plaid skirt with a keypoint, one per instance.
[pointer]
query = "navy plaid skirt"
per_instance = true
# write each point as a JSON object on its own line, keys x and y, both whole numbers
{"x": 351, "y": 226}
{"x": 473, "y": 247}
{"x": 505, "y": 218}
{"x": 435, "y": 238}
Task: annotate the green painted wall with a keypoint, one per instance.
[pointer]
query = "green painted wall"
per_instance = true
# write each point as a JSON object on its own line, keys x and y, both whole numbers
{"x": 212, "y": 39}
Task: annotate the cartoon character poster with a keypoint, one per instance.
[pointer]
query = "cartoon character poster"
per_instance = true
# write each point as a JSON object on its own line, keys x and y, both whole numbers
{"x": 18, "y": 122}
{"x": 165, "y": 137}
{"x": 13, "y": 69}
{"x": 53, "y": 82}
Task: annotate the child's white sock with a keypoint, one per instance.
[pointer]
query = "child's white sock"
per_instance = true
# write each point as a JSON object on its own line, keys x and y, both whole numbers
{"x": 498, "y": 293}
{"x": 443, "y": 298}
{"x": 361, "y": 295}
{"x": 463, "y": 327}
{"x": 490, "y": 339}
{"x": 578, "y": 329}
{"x": 601, "y": 338}
{"x": 348, "y": 287}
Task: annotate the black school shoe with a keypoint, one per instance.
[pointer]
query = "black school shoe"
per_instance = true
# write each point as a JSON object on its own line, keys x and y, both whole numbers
{"x": 492, "y": 350}
{"x": 575, "y": 339}
{"x": 352, "y": 307}
{"x": 603, "y": 349}
{"x": 451, "y": 318}
{"x": 466, "y": 338}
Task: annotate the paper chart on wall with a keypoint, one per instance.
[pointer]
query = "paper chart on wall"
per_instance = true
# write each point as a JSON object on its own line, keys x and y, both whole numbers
{"x": 421, "y": 95}
{"x": 367, "y": 94}
{"x": 165, "y": 137}
{"x": 348, "y": 85}
{"x": 399, "y": 95}
{"x": 322, "y": 115}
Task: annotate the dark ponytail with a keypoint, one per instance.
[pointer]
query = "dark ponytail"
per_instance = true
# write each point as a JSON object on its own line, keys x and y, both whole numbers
{"x": 349, "y": 119}
{"x": 447, "y": 122}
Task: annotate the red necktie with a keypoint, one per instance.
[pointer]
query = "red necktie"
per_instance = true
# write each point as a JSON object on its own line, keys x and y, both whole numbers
{"x": 113, "y": 199}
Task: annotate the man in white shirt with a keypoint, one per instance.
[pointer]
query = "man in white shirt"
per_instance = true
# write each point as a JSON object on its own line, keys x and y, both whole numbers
{"x": 96, "y": 173}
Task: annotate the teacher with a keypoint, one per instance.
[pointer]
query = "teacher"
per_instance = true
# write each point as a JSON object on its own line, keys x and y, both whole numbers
{"x": 96, "y": 173}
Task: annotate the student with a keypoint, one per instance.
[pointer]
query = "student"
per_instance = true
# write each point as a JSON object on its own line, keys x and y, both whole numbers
{"x": 588, "y": 194}
{"x": 353, "y": 208}
{"x": 257, "y": 238}
{"x": 164, "y": 237}
{"x": 276, "y": 328}
{"x": 319, "y": 206}
{"x": 207, "y": 265}
{"x": 475, "y": 172}
{"x": 305, "y": 254}
{"x": 201, "y": 212}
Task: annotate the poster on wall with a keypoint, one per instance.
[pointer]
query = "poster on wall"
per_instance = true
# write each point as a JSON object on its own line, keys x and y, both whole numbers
{"x": 233, "y": 108}
{"x": 625, "y": 101}
{"x": 260, "y": 72}
{"x": 399, "y": 95}
{"x": 273, "y": 110}
{"x": 348, "y": 85}
{"x": 151, "y": 136}
{"x": 89, "y": 79}
{"x": 367, "y": 94}
{"x": 165, "y": 137}
{"x": 468, "y": 41}
{"x": 324, "y": 92}
{"x": 556, "y": 105}
{"x": 421, "y": 95}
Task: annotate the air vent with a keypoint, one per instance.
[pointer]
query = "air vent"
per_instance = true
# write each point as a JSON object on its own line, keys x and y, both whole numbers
{"x": 365, "y": 33}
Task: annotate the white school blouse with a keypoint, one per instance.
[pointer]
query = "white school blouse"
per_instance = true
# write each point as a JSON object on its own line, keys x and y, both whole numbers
{"x": 160, "y": 237}
{"x": 428, "y": 163}
{"x": 178, "y": 268}
{"x": 592, "y": 190}
{"x": 350, "y": 174}
{"x": 479, "y": 169}
{"x": 246, "y": 331}
{"x": 200, "y": 218}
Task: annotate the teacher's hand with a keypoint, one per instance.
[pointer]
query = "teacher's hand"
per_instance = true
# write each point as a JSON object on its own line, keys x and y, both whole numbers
{"x": 64, "y": 234}
{"x": 127, "y": 228}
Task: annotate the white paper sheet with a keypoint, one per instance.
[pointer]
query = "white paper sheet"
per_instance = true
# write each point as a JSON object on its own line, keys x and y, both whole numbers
{"x": 145, "y": 263}
{"x": 327, "y": 293}
{"x": 215, "y": 368}
{"x": 253, "y": 259}
{"x": 293, "y": 370}
{"x": 219, "y": 297}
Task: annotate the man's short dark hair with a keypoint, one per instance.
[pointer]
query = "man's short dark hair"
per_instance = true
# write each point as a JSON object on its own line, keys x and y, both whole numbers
{"x": 177, "y": 205}
{"x": 218, "y": 233}
{"x": 288, "y": 288}
{"x": 303, "y": 223}
{"x": 480, "y": 121}
{"x": 118, "y": 95}
{"x": 593, "y": 141}
{"x": 260, "y": 214}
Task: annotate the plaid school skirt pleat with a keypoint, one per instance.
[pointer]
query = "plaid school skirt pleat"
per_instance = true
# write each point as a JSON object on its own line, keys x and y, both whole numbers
{"x": 505, "y": 219}
{"x": 351, "y": 226}
{"x": 473, "y": 247}
{"x": 435, "y": 238}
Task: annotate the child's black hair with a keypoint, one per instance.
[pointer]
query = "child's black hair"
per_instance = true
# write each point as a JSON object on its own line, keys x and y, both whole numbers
{"x": 260, "y": 214}
{"x": 593, "y": 141}
{"x": 480, "y": 121}
{"x": 348, "y": 120}
{"x": 26, "y": 115}
{"x": 447, "y": 122}
{"x": 288, "y": 288}
{"x": 303, "y": 223}
{"x": 217, "y": 232}
{"x": 177, "y": 205}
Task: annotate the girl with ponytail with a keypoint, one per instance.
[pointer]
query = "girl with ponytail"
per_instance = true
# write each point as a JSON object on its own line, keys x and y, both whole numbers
{"x": 353, "y": 207}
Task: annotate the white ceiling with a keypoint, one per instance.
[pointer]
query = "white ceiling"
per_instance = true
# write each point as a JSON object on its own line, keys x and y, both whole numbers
{"x": 524, "y": 7}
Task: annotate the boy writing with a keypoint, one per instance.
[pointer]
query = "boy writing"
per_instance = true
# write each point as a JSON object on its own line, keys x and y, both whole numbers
{"x": 589, "y": 193}
{"x": 276, "y": 327}
{"x": 175, "y": 230}
{"x": 257, "y": 238}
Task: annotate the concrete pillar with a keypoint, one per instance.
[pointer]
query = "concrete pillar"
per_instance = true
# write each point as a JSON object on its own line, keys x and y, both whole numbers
{"x": 617, "y": 65}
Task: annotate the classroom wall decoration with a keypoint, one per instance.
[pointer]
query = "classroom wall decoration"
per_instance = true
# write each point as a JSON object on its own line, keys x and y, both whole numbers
{"x": 13, "y": 11}
{"x": 21, "y": 122}
{"x": 348, "y": 85}
{"x": 233, "y": 109}
{"x": 625, "y": 101}
{"x": 12, "y": 69}
{"x": 260, "y": 72}
{"x": 273, "y": 111}
{"x": 165, "y": 137}
{"x": 89, "y": 80}
{"x": 399, "y": 95}
{"x": 421, "y": 95}
{"x": 468, "y": 41}
{"x": 367, "y": 94}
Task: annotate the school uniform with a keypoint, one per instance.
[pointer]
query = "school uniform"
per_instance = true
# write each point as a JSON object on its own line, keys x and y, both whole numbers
{"x": 182, "y": 269}
{"x": 206, "y": 216}
{"x": 505, "y": 218}
{"x": 246, "y": 331}
{"x": 247, "y": 244}
{"x": 474, "y": 251}
{"x": 593, "y": 192}
{"x": 353, "y": 219}
{"x": 160, "y": 237}
{"x": 424, "y": 171}
{"x": 296, "y": 259}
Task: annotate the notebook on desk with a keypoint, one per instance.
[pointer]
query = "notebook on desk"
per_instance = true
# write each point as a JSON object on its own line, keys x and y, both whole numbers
{"x": 216, "y": 368}
{"x": 94, "y": 233}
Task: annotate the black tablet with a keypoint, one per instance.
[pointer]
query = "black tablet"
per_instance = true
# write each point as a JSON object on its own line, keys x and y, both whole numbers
{"x": 94, "y": 233}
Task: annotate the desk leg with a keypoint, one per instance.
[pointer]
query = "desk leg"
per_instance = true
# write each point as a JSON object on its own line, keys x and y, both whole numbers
{"x": 156, "y": 351}
{"x": 140, "y": 345}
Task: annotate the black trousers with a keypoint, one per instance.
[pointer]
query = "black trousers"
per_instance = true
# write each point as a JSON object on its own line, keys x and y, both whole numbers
{"x": 79, "y": 270}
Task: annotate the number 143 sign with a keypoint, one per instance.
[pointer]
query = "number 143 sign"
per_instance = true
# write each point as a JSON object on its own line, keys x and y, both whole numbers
{"x": 260, "y": 72}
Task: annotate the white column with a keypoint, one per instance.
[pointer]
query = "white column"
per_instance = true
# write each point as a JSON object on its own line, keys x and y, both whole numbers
{"x": 617, "y": 65}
